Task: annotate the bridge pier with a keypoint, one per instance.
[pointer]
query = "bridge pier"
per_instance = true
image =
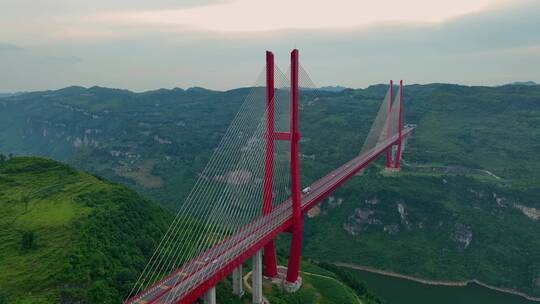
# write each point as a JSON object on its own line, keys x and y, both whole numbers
{"x": 238, "y": 289}
{"x": 256, "y": 278}
{"x": 292, "y": 287}
{"x": 393, "y": 153}
{"x": 210, "y": 296}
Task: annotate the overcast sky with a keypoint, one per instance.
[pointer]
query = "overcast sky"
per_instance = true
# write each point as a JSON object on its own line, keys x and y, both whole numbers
{"x": 219, "y": 44}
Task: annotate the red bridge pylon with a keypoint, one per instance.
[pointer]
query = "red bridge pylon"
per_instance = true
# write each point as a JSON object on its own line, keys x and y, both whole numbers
{"x": 393, "y": 153}
{"x": 270, "y": 267}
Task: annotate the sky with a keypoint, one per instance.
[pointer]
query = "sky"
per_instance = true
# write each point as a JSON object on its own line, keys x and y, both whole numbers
{"x": 220, "y": 44}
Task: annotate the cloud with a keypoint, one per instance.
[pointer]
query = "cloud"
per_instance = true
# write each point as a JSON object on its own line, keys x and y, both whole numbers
{"x": 496, "y": 45}
{"x": 262, "y": 15}
{"x": 6, "y": 47}
{"x": 62, "y": 59}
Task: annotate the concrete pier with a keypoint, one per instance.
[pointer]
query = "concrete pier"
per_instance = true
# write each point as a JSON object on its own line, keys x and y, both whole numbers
{"x": 210, "y": 296}
{"x": 237, "y": 284}
{"x": 391, "y": 171}
{"x": 292, "y": 287}
{"x": 256, "y": 278}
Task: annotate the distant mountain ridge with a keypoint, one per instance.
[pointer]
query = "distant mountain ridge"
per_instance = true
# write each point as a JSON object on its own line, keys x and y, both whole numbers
{"x": 3, "y": 95}
{"x": 523, "y": 83}
{"x": 333, "y": 88}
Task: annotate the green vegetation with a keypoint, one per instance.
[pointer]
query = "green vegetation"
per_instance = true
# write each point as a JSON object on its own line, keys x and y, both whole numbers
{"x": 443, "y": 228}
{"x": 320, "y": 286}
{"x": 69, "y": 236}
{"x": 155, "y": 142}
{"x": 352, "y": 280}
{"x": 469, "y": 189}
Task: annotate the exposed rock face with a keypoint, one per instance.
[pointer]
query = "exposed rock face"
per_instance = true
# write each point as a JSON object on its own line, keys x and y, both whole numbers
{"x": 237, "y": 177}
{"x": 530, "y": 212}
{"x": 84, "y": 142}
{"x": 501, "y": 201}
{"x": 251, "y": 144}
{"x": 314, "y": 212}
{"x": 140, "y": 172}
{"x": 333, "y": 202}
{"x": 391, "y": 229}
{"x": 462, "y": 235}
{"x": 162, "y": 141}
{"x": 304, "y": 156}
{"x": 402, "y": 212}
{"x": 401, "y": 207}
{"x": 372, "y": 201}
{"x": 359, "y": 221}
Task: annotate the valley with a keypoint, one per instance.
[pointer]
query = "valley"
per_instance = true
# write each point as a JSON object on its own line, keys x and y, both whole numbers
{"x": 465, "y": 205}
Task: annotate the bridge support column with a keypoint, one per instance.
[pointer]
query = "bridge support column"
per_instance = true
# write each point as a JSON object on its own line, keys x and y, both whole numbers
{"x": 393, "y": 153}
{"x": 256, "y": 278}
{"x": 238, "y": 289}
{"x": 389, "y": 126}
{"x": 293, "y": 267}
{"x": 210, "y": 296}
{"x": 270, "y": 265}
{"x": 399, "y": 144}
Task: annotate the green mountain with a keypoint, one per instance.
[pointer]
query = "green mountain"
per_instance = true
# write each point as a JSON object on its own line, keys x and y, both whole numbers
{"x": 432, "y": 226}
{"x": 68, "y": 236}
{"x": 154, "y": 141}
{"x": 524, "y": 83}
{"x": 71, "y": 237}
{"x": 465, "y": 206}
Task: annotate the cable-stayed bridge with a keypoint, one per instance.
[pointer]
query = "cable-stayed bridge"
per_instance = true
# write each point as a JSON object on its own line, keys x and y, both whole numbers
{"x": 250, "y": 192}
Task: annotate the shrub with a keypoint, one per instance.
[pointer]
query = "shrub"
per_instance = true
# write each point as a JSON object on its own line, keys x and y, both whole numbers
{"x": 27, "y": 240}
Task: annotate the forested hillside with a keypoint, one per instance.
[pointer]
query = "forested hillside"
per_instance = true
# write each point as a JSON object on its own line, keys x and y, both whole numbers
{"x": 68, "y": 236}
{"x": 465, "y": 205}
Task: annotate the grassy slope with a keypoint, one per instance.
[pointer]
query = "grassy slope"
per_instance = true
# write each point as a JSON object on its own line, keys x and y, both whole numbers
{"x": 91, "y": 238}
{"x": 84, "y": 234}
{"x": 321, "y": 286}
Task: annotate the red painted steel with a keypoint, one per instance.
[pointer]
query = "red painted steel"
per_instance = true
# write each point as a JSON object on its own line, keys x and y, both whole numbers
{"x": 282, "y": 136}
{"x": 398, "y": 153}
{"x": 229, "y": 267}
{"x": 201, "y": 288}
{"x": 270, "y": 266}
{"x": 211, "y": 281}
{"x": 296, "y": 239}
{"x": 354, "y": 169}
{"x": 389, "y": 151}
{"x": 261, "y": 232}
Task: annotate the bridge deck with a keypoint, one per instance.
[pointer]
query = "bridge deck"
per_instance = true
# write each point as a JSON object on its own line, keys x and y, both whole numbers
{"x": 188, "y": 282}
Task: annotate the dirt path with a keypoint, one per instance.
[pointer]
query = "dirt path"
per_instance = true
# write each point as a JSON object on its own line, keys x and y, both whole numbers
{"x": 434, "y": 282}
{"x": 248, "y": 287}
{"x": 334, "y": 279}
{"x": 265, "y": 300}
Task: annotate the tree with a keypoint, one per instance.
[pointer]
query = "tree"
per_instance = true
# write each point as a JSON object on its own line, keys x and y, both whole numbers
{"x": 27, "y": 240}
{"x": 25, "y": 199}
